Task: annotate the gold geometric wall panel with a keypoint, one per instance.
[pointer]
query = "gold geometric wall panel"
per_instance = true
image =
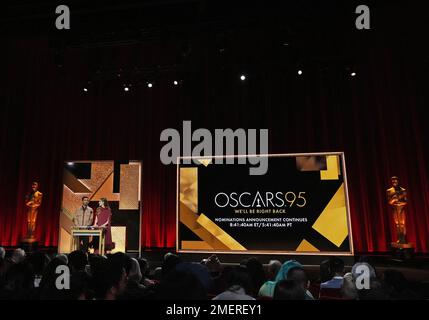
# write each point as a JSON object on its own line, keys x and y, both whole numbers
{"x": 119, "y": 238}
{"x": 99, "y": 185}
{"x": 106, "y": 191}
{"x": 129, "y": 179}
{"x": 100, "y": 170}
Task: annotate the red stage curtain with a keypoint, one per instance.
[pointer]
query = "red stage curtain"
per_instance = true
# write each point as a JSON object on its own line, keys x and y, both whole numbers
{"x": 376, "y": 118}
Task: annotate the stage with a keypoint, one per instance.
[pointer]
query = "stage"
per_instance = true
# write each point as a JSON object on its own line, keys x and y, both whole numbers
{"x": 282, "y": 131}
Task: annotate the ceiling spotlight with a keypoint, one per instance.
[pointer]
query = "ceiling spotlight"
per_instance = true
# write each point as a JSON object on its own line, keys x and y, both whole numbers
{"x": 242, "y": 77}
{"x": 70, "y": 164}
{"x": 126, "y": 88}
{"x": 175, "y": 82}
{"x": 353, "y": 74}
{"x": 85, "y": 89}
{"x": 300, "y": 72}
{"x": 149, "y": 85}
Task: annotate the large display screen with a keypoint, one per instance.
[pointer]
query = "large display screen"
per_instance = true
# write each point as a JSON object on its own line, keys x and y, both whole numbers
{"x": 300, "y": 206}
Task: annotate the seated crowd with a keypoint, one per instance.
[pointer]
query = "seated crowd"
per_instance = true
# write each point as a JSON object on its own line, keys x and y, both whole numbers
{"x": 118, "y": 276}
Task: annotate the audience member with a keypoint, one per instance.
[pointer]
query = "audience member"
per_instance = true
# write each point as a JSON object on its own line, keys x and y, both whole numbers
{"x": 376, "y": 291}
{"x": 178, "y": 285}
{"x": 272, "y": 269}
{"x": 77, "y": 261}
{"x": 144, "y": 269}
{"x": 169, "y": 263}
{"x": 2, "y": 254}
{"x": 118, "y": 276}
{"x": 134, "y": 290}
{"x": 239, "y": 285}
{"x": 267, "y": 289}
{"x": 257, "y": 275}
{"x": 199, "y": 270}
{"x": 298, "y": 275}
{"x": 109, "y": 278}
{"x": 349, "y": 290}
{"x": 18, "y": 283}
{"x": 337, "y": 270}
{"x": 325, "y": 271}
{"x": 2, "y": 262}
{"x": 289, "y": 290}
{"x": 397, "y": 286}
{"x": 38, "y": 262}
{"x": 18, "y": 256}
{"x": 48, "y": 289}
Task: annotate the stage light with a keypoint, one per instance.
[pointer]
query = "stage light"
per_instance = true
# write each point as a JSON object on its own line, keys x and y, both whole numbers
{"x": 149, "y": 85}
{"x": 126, "y": 88}
{"x": 299, "y": 72}
{"x": 175, "y": 82}
{"x": 70, "y": 164}
{"x": 86, "y": 86}
{"x": 353, "y": 74}
{"x": 242, "y": 77}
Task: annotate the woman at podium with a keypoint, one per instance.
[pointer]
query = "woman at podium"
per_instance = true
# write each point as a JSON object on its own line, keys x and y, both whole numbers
{"x": 103, "y": 219}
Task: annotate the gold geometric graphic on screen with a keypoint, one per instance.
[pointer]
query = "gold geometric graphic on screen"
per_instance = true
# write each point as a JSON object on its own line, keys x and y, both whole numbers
{"x": 332, "y": 222}
{"x": 205, "y": 162}
{"x": 129, "y": 191}
{"x": 219, "y": 233}
{"x": 211, "y": 235}
{"x": 195, "y": 245}
{"x": 310, "y": 163}
{"x": 306, "y": 246}
{"x": 333, "y": 168}
{"x": 189, "y": 188}
{"x": 189, "y": 219}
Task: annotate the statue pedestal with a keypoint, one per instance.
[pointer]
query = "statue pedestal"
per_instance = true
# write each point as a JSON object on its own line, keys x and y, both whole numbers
{"x": 402, "y": 251}
{"x": 29, "y": 244}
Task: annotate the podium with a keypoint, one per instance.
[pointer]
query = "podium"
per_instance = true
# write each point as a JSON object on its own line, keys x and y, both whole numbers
{"x": 77, "y": 232}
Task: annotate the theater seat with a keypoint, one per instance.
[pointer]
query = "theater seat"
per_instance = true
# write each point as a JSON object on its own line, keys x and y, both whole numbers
{"x": 329, "y": 293}
{"x": 333, "y": 298}
{"x": 314, "y": 289}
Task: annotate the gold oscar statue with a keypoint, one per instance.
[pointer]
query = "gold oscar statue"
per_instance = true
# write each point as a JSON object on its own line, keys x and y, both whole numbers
{"x": 397, "y": 199}
{"x": 33, "y": 201}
